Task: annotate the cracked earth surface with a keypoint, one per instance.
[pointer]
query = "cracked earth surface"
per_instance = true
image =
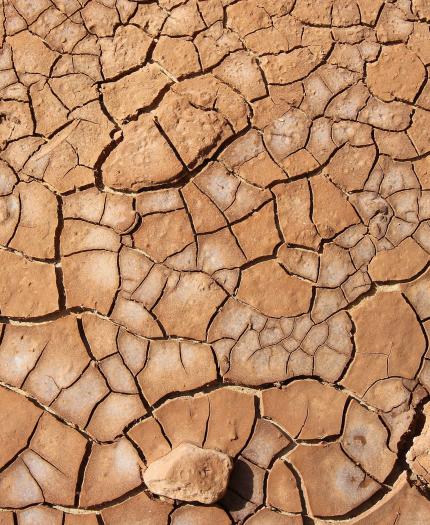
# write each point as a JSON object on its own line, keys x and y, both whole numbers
{"x": 214, "y": 251}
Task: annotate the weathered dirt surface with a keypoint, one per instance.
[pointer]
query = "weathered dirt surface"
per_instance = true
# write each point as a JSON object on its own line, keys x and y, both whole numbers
{"x": 214, "y": 234}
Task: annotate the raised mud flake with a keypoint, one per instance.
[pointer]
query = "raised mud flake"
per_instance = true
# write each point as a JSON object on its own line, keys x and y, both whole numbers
{"x": 247, "y": 481}
{"x": 404, "y": 504}
{"x": 197, "y": 120}
{"x": 286, "y": 68}
{"x": 332, "y": 212}
{"x": 190, "y": 473}
{"x": 18, "y": 487}
{"x": 294, "y": 213}
{"x": 287, "y": 134}
{"x": 38, "y": 215}
{"x": 113, "y": 414}
{"x": 402, "y": 262}
{"x": 266, "y": 442}
{"x": 240, "y": 70}
{"x": 163, "y": 234}
{"x": 215, "y": 43}
{"x": 99, "y": 18}
{"x": 77, "y": 402}
{"x": 416, "y": 294}
{"x": 16, "y": 121}
{"x": 176, "y": 55}
{"x": 135, "y": 318}
{"x": 31, "y": 54}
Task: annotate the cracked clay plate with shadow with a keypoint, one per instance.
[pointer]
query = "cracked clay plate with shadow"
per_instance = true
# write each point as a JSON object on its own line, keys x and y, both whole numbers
{"x": 214, "y": 262}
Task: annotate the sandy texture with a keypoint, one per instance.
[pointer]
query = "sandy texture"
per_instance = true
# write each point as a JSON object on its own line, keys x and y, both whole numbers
{"x": 214, "y": 256}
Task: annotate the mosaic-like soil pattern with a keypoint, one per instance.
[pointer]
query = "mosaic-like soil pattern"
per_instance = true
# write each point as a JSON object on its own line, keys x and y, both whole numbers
{"x": 215, "y": 239}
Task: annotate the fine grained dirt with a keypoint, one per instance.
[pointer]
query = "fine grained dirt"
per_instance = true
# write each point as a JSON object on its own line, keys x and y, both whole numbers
{"x": 214, "y": 234}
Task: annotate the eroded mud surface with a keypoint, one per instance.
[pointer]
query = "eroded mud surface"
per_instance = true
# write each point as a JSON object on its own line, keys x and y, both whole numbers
{"x": 214, "y": 229}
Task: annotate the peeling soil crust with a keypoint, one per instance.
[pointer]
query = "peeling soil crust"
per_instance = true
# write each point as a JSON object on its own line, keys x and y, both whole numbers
{"x": 215, "y": 229}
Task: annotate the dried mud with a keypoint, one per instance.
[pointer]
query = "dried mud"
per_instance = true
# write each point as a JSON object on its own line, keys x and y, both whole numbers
{"x": 215, "y": 229}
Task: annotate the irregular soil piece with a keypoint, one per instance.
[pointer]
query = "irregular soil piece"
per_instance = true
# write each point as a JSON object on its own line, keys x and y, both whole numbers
{"x": 174, "y": 366}
{"x": 80, "y": 519}
{"x": 197, "y": 296}
{"x": 113, "y": 414}
{"x": 27, "y": 288}
{"x": 190, "y": 515}
{"x": 267, "y": 440}
{"x": 247, "y": 481}
{"x": 364, "y": 439}
{"x": 184, "y": 419}
{"x": 135, "y": 92}
{"x": 142, "y": 159}
{"x": 43, "y": 359}
{"x": 190, "y": 473}
{"x": 282, "y": 491}
{"x": 140, "y": 510}
{"x": 120, "y": 463}
{"x": 55, "y": 469}
{"x": 18, "y": 488}
{"x": 269, "y": 288}
{"x": 163, "y": 234}
{"x": 306, "y": 409}
{"x": 270, "y": 517}
{"x": 294, "y": 209}
{"x": 38, "y": 215}
{"x": 91, "y": 279}
{"x": 397, "y": 63}
{"x": 40, "y": 516}
{"x": 396, "y": 341}
{"x": 418, "y": 455}
{"x": 18, "y": 420}
{"x": 347, "y": 485}
{"x": 124, "y": 51}
{"x": 401, "y": 263}
{"x": 403, "y": 504}
{"x": 149, "y": 437}
{"x": 230, "y": 422}
{"x": 332, "y": 213}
